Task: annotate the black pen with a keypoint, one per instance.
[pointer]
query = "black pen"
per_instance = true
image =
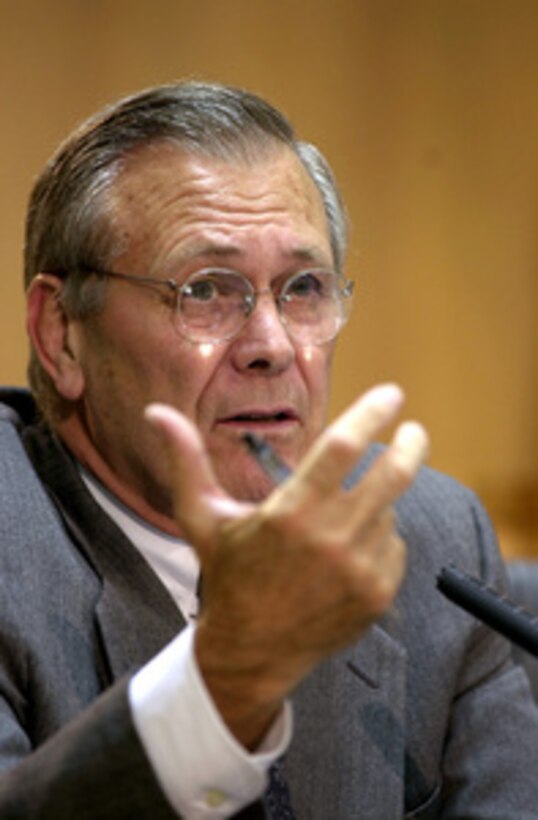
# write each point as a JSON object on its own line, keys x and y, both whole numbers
{"x": 268, "y": 459}
{"x": 275, "y": 467}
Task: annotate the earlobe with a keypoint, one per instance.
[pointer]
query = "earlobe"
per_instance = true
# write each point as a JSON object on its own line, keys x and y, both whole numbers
{"x": 50, "y": 332}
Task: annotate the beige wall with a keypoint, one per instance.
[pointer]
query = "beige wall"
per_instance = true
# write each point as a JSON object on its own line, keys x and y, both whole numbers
{"x": 429, "y": 114}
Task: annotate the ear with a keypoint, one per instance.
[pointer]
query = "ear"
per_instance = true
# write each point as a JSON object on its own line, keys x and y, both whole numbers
{"x": 53, "y": 334}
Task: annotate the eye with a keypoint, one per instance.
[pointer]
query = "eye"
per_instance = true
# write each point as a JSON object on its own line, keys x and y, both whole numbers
{"x": 203, "y": 290}
{"x": 303, "y": 286}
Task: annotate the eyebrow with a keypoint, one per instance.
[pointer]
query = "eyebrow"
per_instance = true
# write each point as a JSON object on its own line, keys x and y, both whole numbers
{"x": 308, "y": 254}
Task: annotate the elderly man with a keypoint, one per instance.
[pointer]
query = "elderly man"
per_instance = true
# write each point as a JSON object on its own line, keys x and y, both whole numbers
{"x": 179, "y": 638}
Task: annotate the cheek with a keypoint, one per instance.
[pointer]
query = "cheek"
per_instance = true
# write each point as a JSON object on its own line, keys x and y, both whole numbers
{"x": 143, "y": 362}
{"x": 315, "y": 365}
{"x": 187, "y": 374}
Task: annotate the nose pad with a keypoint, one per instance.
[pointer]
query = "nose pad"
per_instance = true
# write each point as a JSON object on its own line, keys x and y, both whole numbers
{"x": 264, "y": 342}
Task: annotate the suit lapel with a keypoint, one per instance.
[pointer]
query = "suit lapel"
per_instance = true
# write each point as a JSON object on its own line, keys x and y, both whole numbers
{"x": 135, "y": 614}
{"x": 348, "y": 751}
{"x": 134, "y": 623}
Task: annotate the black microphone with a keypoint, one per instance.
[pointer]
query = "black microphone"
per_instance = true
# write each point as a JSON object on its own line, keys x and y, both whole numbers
{"x": 497, "y": 611}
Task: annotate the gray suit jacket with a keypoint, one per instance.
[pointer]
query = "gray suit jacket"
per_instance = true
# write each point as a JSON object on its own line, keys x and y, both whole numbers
{"x": 424, "y": 718}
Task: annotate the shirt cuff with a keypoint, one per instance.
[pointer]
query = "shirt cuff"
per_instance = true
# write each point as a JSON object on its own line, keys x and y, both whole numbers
{"x": 203, "y": 771}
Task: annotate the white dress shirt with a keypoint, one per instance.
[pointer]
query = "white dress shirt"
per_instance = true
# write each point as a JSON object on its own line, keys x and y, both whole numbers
{"x": 203, "y": 771}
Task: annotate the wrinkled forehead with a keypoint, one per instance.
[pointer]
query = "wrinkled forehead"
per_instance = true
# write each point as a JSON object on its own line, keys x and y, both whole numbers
{"x": 165, "y": 196}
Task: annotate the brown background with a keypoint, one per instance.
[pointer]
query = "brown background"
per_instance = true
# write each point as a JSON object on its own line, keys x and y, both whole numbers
{"x": 428, "y": 111}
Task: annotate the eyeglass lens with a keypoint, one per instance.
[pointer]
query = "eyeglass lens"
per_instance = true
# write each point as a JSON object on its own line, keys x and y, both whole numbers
{"x": 214, "y": 305}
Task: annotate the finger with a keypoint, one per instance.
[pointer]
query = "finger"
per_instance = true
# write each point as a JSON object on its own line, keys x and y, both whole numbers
{"x": 391, "y": 474}
{"x": 199, "y": 500}
{"x": 341, "y": 446}
{"x": 384, "y": 583}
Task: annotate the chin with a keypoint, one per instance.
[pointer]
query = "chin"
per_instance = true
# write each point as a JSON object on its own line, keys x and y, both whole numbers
{"x": 246, "y": 486}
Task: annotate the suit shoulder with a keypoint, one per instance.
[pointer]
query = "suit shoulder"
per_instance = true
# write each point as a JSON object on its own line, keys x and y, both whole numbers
{"x": 443, "y": 521}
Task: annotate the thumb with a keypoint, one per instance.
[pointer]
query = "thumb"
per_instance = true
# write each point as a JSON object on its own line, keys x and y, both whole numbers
{"x": 200, "y": 503}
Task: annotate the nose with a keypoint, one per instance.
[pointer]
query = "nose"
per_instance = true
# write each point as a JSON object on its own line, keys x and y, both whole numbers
{"x": 264, "y": 343}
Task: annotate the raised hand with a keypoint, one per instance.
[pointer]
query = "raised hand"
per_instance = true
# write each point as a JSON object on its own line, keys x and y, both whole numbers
{"x": 290, "y": 580}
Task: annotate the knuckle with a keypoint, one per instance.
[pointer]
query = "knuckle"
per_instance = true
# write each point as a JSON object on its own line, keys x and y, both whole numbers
{"x": 403, "y": 472}
{"x": 289, "y": 527}
{"x": 344, "y": 448}
{"x": 379, "y": 571}
{"x": 340, "y": 453}
{"x": 375, "y": 589}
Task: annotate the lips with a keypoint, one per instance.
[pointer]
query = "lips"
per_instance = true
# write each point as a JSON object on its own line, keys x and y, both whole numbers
{"x": 277, "y": 416}
{"x": 281, "y": 415}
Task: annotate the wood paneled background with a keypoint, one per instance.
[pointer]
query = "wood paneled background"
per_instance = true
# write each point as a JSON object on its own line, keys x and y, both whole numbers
{"x": 428, "y": 112}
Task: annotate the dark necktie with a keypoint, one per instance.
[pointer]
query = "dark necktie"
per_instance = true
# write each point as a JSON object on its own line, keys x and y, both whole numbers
{"x": 277, "y": 800}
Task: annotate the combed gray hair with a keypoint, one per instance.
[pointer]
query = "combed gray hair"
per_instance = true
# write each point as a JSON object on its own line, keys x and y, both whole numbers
{"x": 69, "y": 229}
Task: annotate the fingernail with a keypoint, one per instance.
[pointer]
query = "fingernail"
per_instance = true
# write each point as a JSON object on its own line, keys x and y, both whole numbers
{"x": 412, "y": 443}
{"x": 389, "y": 395}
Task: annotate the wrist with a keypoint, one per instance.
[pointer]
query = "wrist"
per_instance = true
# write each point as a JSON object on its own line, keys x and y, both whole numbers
{"x": 242, "y": 684}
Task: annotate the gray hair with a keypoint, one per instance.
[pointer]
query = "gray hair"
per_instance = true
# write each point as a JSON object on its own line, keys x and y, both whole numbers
{"x": 69, "y": 230}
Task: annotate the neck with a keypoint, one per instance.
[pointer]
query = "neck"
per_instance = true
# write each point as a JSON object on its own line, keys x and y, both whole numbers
{"x": 74, "y": 435}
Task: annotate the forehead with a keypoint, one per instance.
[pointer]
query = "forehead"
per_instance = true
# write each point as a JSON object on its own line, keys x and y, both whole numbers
{"x": 170, "y": 205}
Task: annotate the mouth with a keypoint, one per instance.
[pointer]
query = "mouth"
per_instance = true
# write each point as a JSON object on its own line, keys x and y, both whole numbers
{"x": 281, "y": 418}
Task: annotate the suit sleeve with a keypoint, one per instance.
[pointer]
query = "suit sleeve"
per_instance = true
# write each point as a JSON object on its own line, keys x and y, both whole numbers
{"x": 93, "y": 767}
